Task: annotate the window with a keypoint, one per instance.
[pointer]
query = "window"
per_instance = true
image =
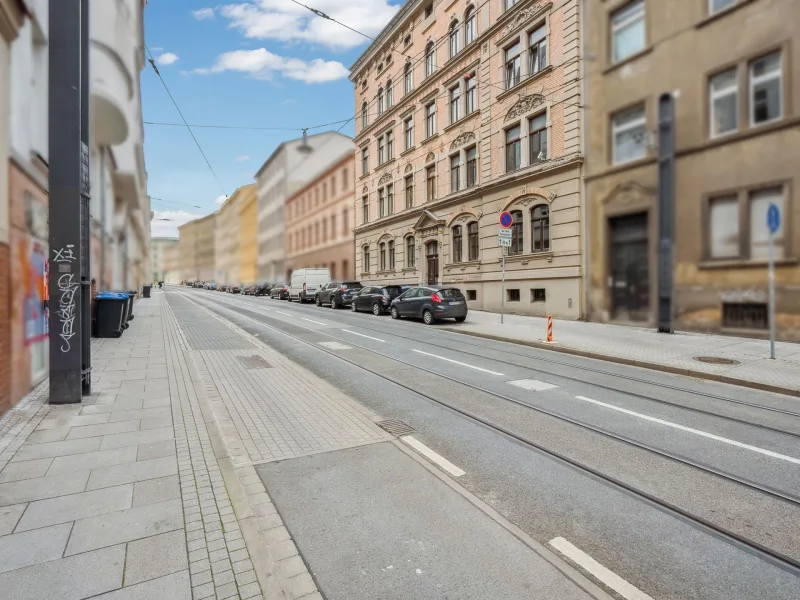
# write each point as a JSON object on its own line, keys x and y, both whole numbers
{"x": 364, "y": 161}
{"x": 408, "y": 132}
{"x": 516, "y": 233}
{"x": 472, "y": 94}
{"x": 364, "y": 115}
{"x": 765, "y": 89}
{"x": 409, "y": 191}
{"x": 458, "y": 249}
{"x": 430, "y": 179}
{"x": 324, "y": 229}
{"x": 324, "y": 192}
{"x": 472, "y": 295}
{"x": 333, "y": 187}
{"x": 538, "y": 295}
{"x": 365, "y": 259}
{"x": 333, "y": 227}
{"x": 537, "y": 50}
{"x": 715, "y": 6}
{"x": 389, "y": 94}
{"x": 469, "y": 26}
{"x": 381, "y": 150}
{"x": 316, "y": 196}
{"x": 627, "y": 31}
{"x": 383, "y": 256}
{"x": 428, "y": 10}
{"x": 389, "y": 145}
{"x": 745, "y": 316}
{"x": 513, "y": 295}
{"x": 512, "y": 70}
{"x": 408, "y": 40}
{"x": 380, "y": 101}
{"x": 537, "y": 138}
{"x": 453, "y": 35}
{"x": 345, "y": 270}
{"x": 410, "y": 252}
{"x": 472, "y": 241}
{"x": 408, "y": 79}
{"x": 365, "y": 209}
{"x": 455, "y": 172}
{"x": 391, "y": 254}
{"x": 346, "y": 223}
{"x": 759, "y": 233}
{"x": 430, "y": 119}
{"x": 430, "y": 63}
{"x": 316, "y": 233}
{"x": 472, "y": 166}
{"x": 455, "y": 103}
{"x": 723, "y": 220}
{"x": 628, "y": 130}
{"x": 513, "y": 149}
{"x": 390, "y": 198}
{"x": 540, "y": 228}
{"x": 381, "y": 203}
{"x": 723, "y": 101}
{"x": 344, "y": 179}
{"x": 510, "y": 3}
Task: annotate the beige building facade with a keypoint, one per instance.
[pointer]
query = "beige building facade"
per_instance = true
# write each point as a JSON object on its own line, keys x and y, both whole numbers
{"x": 465, "y": 110}
{"x": 319, "y": 222}
{"x": 163, "y": 252}
{"x": 196, "y": 241}
{"x": 228, "y": 240}
{"x": 737, "y": 111}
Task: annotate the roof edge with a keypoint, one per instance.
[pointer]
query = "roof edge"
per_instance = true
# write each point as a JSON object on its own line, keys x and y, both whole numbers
{"x": 402, "y": 14}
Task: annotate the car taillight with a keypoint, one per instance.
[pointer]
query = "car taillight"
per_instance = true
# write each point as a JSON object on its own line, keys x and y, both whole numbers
{"x": 304, "y": 286}
{"x": 436, "y": 298}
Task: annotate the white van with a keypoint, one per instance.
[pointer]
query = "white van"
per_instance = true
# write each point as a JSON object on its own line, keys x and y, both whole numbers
{"x": 306, "y": 282}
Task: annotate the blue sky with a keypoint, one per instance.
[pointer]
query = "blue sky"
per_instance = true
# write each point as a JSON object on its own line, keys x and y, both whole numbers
{"x": 262, "y": 63}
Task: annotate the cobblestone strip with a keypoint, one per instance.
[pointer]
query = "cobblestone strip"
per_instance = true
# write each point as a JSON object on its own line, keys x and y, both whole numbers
{"x": 219, "y": 562}
{"x": 19, "y": 422}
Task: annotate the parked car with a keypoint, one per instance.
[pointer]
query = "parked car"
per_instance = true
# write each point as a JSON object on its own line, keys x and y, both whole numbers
{"x": 234, "y": 288}
{"x": 279, "y": 291}
{"x": 306, "y": 282}
{"x": 375, "y": 298}
{"x": 263, "y": 289}
{"x": 338, "y": 293}
{"x": 250, "y": 289}
{"x": 430, "y": 303}
{"x": 213, "y": 286}
{"x": 222, "y": 288}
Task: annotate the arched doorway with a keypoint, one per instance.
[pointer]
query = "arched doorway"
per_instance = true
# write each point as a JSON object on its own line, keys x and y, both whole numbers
{"x": 432, "y": 256}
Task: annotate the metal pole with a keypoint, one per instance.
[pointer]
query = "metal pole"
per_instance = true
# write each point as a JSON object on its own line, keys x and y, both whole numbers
{"x": 86, "y": 232}
{"x": 103, "y": 282}
{"x": 772, "y": 295}
{"x": 666, "y": 213}
{"x": 65, "y": 183}
{"x": 503, "y": 286}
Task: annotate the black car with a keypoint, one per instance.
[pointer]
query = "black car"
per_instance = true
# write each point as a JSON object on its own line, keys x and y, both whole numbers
{"x": 263, "y": 289}
{"x": 337, "y": 293}
{"x": 280, "y": 291}
{"x": 431, "y": 303}
{"x": 376, "y": 299}
{"x": 249, "y": 289}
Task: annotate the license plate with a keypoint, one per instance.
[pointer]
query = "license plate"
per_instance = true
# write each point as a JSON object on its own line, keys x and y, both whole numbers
{"x": 456, "y": 302}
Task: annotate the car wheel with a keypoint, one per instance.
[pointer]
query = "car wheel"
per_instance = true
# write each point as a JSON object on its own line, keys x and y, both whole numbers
{"x": 428, "y": 318}
{"x": 376, "y": 309}
{"x": 318, "y": 301}
{"x": 460, "y": 319}
{"x": 353, "y": 307}
{"x": 334, "y": 306}
{"x": 395, "y": 313}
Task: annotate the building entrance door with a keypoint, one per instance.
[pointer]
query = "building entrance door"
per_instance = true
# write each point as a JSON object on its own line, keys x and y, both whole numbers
{"x": 432, "y": 254}
{"x": 630, "y": 268}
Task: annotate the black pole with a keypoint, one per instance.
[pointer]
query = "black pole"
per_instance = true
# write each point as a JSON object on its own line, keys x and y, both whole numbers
{"x": 86, "y": 242}
{"x": 66, "y": 266}
{"x": 666, "y": 212}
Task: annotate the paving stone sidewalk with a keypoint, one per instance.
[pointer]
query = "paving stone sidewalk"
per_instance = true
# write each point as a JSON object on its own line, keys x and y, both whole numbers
{"x": 645, "y": 347}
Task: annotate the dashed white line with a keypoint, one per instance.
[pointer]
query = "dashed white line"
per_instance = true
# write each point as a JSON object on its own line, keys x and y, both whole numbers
{"x": 335, "y": 346}
{"x": 533, "y": 385}
{"x": 694, "y": 431}
{"x": 433, "y": 456}
{"x": 459, "y": 363}
{"x": 313, "y": 321}
{"x": 369, "y": 337}
{"x": 284, "y": 313}
{"x": 608, "y": 577}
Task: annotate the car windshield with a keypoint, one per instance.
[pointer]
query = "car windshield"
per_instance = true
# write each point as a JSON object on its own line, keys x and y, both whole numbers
{"x": 351, "y": 285}
{"x": 450, "y": 293}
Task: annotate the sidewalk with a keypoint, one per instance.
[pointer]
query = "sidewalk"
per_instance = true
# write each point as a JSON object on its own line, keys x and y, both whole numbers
{"x": 644, "y": 347}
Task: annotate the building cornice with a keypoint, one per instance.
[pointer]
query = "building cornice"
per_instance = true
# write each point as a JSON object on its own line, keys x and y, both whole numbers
{"x": 399, "y": 19}
{"x": 12, "y": 16}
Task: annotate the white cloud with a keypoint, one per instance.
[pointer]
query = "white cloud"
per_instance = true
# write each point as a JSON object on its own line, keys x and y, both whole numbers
{"x": 203, "y": 13}
{"x": 166, "y": 223}
{"x": 166, "y": 59}
{"x": 220, "y": 199}
{"x": 263, "y": 64}
{"x": 286, "y": 21}
{"x": 243, "y": 158}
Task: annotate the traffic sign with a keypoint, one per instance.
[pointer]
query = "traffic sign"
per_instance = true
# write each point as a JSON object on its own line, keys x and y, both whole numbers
{"x": 505, "y": 242}
{"x": 506, "y": 219}
{"x": 773, "y": 218}
{"x": 504, "y": 234}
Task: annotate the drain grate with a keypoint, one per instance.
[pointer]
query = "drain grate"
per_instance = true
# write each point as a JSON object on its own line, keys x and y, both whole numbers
{"x": 396, "y": 427}
{"x": 716, "y": 360}
{"x": 254, "y": 362}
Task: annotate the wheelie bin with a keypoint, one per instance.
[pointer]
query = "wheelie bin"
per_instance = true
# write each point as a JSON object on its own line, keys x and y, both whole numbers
{"x": 111, "y": 313}
{"x": 146, "y": 291}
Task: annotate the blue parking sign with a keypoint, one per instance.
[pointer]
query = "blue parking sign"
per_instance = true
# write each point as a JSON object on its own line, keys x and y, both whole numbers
{"x": 773, "y": 218}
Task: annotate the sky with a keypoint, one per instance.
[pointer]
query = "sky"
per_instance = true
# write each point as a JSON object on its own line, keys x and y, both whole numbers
{"x": 257, "y": 64}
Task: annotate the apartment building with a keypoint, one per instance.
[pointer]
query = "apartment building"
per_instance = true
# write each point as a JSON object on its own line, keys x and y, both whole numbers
{"x": 319, "y": 222}
{"x": 196, "y": 242}
{"x": 465, "y": 110}
{"x": 163, "y": 257}
{"x": 292, "y": 165}
{"x": 228, "y": 237}
{"x": 731, "y": 68}
{"x": 170, "y": 263}
{"x": 248, "y": 234}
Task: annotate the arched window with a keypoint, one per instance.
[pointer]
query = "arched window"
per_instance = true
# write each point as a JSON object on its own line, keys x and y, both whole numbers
{"x": 458, "y": 246}
{"x": 391, "y": 254}
{"x": 472, "y": 240}
{"x": 540, "y": 228}
{"x": 365, "y": 259}
{"x": 516, "y": 233}
{"x": 408, "y": 78}
{"x": 382, "y": 256}
{"x": 364, "y": 114}
{"x": 430, "y": 63}
{"x": 410, "y": 252}
{"x": 469, "y": 26}
{"x": 380, "y": 101}
{"x": 453, "y": 38}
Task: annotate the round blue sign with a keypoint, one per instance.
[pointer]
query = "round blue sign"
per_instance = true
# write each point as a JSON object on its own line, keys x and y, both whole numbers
{"x": 773, "y": 218}
{"x": 506, "y": 219}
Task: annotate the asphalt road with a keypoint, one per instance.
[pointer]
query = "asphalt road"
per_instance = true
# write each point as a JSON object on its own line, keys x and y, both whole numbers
{"x": 660, "y": 478}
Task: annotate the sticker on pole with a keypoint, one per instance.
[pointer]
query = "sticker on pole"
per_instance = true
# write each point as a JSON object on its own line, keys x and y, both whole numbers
{"x": 773, "y": 218}
{"x": 506, "y": 219}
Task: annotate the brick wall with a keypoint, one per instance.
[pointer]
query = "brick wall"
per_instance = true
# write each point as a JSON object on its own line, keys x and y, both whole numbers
{"x": 5, "y": 330}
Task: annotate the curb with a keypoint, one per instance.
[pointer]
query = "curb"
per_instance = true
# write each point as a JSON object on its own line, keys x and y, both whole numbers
{"x": 764, "y": 387}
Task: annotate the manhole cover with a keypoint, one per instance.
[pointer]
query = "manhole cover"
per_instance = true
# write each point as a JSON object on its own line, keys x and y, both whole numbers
{"x": 716, "y": 360}
{"x": 254, "y": 362}
{"x": 396, "y": 427}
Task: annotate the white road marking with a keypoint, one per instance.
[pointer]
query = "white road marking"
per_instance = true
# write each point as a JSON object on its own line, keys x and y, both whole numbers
{"x": 431, "y": 455}
{"x": 364, "y": 336}
{"x": 284, "y": 313}
{"x": 335, "y": 346}
{"x": 312, "y": 321}
{"x": 611, "y": 579}
{"x": 695, "y": 431}
{"x": 459, "y": 363}
{"x": 533, "y": 385}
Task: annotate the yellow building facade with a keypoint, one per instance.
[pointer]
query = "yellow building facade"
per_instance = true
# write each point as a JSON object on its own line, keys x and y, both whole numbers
{"x": 248, "y": 232}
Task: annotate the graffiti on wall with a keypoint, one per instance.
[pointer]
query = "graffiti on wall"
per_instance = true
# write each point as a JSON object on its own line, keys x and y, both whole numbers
{"x": 67, "y": 288}
{"x": 33, "y": 268}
